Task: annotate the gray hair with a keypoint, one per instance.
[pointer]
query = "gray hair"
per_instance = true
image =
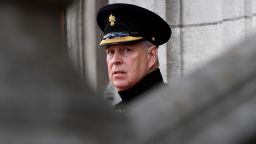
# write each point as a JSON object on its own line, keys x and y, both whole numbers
{"x": 148, "y": 44}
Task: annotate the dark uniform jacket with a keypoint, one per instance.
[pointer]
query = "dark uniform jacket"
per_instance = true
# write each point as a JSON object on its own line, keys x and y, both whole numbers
{"x": 148, "y": 82}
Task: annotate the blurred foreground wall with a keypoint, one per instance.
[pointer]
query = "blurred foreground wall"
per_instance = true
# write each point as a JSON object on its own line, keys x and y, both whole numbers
{"x": 44, "y": 101}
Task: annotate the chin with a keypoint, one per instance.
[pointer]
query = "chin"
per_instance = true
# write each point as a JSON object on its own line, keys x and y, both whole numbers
{"x": 121, "y": 87}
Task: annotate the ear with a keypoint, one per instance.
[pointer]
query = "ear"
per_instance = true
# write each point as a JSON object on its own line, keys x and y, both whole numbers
{"x": 152, "y": 56}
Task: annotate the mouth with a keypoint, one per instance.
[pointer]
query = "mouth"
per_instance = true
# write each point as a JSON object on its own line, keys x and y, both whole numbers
{"x": 118, "y": 72}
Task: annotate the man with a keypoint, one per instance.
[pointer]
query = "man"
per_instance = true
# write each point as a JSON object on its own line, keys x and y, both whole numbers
{"x": 131, "y": 38}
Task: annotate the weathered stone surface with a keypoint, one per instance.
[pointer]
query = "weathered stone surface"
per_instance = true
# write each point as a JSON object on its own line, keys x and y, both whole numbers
{"x": 200, "y": 11}
{"x": 173, "y": 10}
{"x": 200, "y": 45}
{"x": 215, "y": 23}
{"x": 232, "y": 9}
{"x": 233, "y": 31}
{"x": 174, "y": 53}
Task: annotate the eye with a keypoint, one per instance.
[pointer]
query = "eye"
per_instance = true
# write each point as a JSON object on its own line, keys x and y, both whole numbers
{"x": 110, "y": 53}
{"x": 127, "y": 51}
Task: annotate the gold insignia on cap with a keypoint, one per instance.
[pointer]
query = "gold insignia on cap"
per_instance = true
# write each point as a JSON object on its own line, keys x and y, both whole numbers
{"x": 153, "y": 38}
{"x": 112, "y": 20}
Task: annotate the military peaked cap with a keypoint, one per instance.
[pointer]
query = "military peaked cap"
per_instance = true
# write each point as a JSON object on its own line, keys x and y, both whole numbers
{"x": 122, "y": 23}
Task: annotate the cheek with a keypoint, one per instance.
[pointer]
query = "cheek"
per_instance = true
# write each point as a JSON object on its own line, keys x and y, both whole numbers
{"x": 108, "y": 61}
{"x": 108, "y": 64}
{"x": 138, "y": 66}
{"x": 109, "y": 67}
{"x": 143, "y": 62}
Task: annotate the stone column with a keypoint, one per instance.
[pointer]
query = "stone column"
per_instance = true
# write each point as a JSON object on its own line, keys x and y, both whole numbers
{"x": 82, "y": 39}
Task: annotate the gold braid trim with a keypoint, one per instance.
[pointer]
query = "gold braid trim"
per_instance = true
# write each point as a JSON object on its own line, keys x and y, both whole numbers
{"x": 119, "y": 40}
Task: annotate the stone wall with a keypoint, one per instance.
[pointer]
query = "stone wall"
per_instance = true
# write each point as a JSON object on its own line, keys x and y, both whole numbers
{"x": 204, "y": 29}
{"x": 82, "y": 36}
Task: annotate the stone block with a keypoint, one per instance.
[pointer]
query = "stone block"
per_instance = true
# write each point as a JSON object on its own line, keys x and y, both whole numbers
{"x": 200, "y": 44}
{"x": 253, "y": 6}
{"x": 200, "y": 11}
{"x": 162, "y": 57}
{"x": 248, "y": 7}
{"x": 153, "y": 5}
{"x": 173, "y": 11}
{"x": 248, "y": 26}
{"x": 254, "y": 23}
{"x": 174, "y": 53}
{"x": 232, "y": 9}
{"x": 233, "y": 31}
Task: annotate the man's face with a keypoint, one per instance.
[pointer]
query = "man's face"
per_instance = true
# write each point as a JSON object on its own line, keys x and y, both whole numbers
{"x": 127, "y": 64}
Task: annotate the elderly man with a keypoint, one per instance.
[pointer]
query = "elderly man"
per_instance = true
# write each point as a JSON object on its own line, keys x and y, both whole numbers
{"x": 131, "y": 38}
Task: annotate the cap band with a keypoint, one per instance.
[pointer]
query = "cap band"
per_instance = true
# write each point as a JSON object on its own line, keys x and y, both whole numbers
{"x": 119, "y": 37}
{"x": 119, "y": 40}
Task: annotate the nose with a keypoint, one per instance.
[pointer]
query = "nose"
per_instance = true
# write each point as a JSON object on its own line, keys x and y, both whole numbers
{"x": 117, "y": 58}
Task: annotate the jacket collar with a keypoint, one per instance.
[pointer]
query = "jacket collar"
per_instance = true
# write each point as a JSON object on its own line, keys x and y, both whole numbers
{"x": 149, "y": 81}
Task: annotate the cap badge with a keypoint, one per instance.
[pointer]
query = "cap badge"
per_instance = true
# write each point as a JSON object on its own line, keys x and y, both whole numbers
{"x": 112, "y": 20}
